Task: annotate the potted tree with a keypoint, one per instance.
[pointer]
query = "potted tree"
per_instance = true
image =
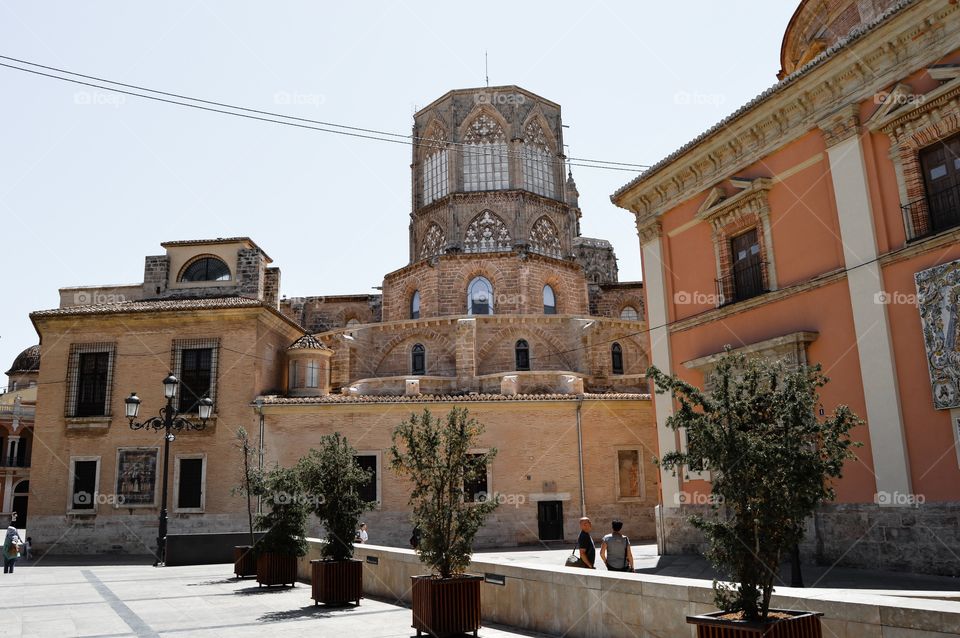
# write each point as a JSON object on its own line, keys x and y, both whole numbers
{"x": 332, "y": 480}
{"x": 436, "y": 456}
{"x": 244, "y": 559}
{"x": 771, "y": 460}
{"x": 286, "y": 525}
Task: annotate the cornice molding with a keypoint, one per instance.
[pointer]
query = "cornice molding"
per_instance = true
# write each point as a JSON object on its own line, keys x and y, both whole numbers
{"x": 840, "y": 125}
{"x": 911, "y": 40}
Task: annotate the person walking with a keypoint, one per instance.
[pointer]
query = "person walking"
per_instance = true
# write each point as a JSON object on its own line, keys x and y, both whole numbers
{"x": 415, "y": 537}
{"x": 11, "y": 549}
{"x": 588, "y": 551}
{"x": 362, "y": 536}
{"x": 615, "y": 550}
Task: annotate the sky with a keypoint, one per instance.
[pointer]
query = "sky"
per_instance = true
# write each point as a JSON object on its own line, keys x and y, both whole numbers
{"x": 91, "y": 182}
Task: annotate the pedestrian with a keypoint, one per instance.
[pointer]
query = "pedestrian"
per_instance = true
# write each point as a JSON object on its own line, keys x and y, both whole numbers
{"x": 415, "y": 537}
{"x": 362, "y": 536}
{"x": 615, "y": 550}
{"x": 11, "y": 549}
{"x": 28, "y": 548}
{"x": 588, "y": 551}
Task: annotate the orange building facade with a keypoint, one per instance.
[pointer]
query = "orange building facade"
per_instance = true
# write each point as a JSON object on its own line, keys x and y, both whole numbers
{"x": 820, "y": 223}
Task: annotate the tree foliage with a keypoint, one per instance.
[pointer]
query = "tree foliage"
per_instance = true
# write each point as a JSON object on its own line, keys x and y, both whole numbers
{"x": 435, "y": 455}
{"x": 286, "y": 521}
{"x": 771, "y": 460}
{"x": 332, "y": 480}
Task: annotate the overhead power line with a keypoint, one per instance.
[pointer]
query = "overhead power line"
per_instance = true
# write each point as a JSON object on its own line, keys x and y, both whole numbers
{"x": 286, "y": 120}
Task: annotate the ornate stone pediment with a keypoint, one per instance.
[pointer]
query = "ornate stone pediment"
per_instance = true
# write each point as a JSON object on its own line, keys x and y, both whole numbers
{"x": 752, "y": 199}
{"x": 938, "y": 298}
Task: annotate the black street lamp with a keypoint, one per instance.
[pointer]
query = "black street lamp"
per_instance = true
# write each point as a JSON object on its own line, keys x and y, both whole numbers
{"x": 169, "y": 421}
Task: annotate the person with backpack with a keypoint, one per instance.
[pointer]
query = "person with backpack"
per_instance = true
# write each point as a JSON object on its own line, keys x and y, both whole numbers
{"x": 11, "y": 549}
{"x": 615, "y": 550}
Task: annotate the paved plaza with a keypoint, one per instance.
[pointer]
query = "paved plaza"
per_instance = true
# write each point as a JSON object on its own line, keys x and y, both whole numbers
{"x": 113, "y": 601}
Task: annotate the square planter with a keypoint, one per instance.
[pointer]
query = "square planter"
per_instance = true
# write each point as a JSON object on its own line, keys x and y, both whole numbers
{"x": 800, "y": 624}
{"x": 244, "y": 561}
{"x": 446, "y": 606}
{"x": 336, "y": 582}
{"x": 276, "y": 569}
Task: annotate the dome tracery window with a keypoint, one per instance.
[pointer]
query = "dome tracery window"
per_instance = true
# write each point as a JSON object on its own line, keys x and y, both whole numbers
{"x": 487, "y": 233}
{"x": 616, "y": 358}
{"x": 433, "y": 241}
{"x": 538, "y": 162}
{"x": 629, "y": 313}
{"x": 522, "y": 355}
{"x": 436, "y": 164}
{"x": 544, "y": 238}
{"x": 549, "y": 301}
{"x": 418, "y": 359}
{"x": 206, "y": 269}
{"x": 415, "y": 305}
{"x": 486, "y": 164}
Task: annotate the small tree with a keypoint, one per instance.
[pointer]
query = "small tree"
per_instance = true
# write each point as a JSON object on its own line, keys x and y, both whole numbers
{"x": 436, "y": 456}
{"x": 251, "y": 479}
{"x": 332, "y": 479}
{"x": 286, "y": 520}
{"x": 770, "y": 458}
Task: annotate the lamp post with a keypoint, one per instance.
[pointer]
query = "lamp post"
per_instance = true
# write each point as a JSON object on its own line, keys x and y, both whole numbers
{"x": 169, "y": 421}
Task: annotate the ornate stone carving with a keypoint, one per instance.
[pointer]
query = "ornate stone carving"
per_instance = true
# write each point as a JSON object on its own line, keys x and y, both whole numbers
{"x": 841, "y": 125}
{"x": 649, "y": 231}
{"x": 544, "y": 238}
{"x": 938, "y": 298}
{"x": 487, "y": 233}
{"x": 433, "y": 241}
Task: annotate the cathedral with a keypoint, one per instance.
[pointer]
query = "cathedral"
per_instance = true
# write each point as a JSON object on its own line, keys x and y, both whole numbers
{"x": 504, "y": 308}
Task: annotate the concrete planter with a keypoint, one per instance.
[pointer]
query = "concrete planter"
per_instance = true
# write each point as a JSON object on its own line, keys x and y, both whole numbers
{"x": 336, "y": 582}
{"x": 446, "y": 606}
{"x": 244, "y": 561}
{"x": 801, "y": 624}
{"x": 276, "y": 569}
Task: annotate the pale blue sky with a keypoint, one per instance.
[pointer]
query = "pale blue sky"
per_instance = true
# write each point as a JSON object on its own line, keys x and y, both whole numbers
{"x": 91, "y": 183}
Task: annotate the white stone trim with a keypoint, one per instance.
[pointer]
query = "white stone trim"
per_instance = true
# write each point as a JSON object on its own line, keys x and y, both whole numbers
{"x": 874, "y": 343}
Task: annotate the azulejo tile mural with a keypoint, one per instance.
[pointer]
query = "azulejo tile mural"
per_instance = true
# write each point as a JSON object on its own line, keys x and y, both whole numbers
{"x": 938, "y": 297}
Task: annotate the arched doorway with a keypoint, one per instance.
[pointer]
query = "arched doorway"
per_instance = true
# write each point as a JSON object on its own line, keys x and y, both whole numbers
{"x": 20, "y": 492}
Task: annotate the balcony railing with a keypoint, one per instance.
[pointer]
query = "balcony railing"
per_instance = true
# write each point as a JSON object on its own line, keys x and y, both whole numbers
{"x": 932, "y": 214}
{"x": 10, "y": 410}
{"x": 741, "y": 284}
{"x": 12, "y": 461}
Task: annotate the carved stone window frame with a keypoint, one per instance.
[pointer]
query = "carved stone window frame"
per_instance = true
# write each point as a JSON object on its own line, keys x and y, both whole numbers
{"x": 733, "y": 216}
{"x": 911, "y": 128}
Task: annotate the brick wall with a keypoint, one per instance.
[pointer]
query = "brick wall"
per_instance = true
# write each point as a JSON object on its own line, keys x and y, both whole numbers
{"x": 517, "y": 280}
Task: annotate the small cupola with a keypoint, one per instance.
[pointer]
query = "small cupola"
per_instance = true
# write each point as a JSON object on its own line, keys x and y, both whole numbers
{"x": 308, "y": 368}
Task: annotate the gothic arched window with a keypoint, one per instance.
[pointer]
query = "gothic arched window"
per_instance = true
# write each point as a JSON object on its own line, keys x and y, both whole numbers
{"x": 480, "y": 297}
{"x": 433, "y": 241}
{"x": 418, "y": 359}
{"x": 415, "y": 305}
{"x": 549, "y": 301}
{"x": 544, "y": 238}
{"x": 616, "y": 358}
{"x": 538, "y": 161}
{"x": 486, "y": 234}
{"x": 522, "y": 354}
{"x": 435, "y": 170}
{"x": 206, "y": 269}
{"x": 629, "y": 313}
{"x": 486, "y": 164}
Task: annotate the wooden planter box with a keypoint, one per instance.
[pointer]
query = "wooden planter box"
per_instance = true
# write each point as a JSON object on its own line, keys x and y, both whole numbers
{"x": 244, "y": 561}
{"x": 446, "y": 606}
{"x": 336, "y": 582}
{"x": 801, "y": 624}
{"x": 276, "y": 569}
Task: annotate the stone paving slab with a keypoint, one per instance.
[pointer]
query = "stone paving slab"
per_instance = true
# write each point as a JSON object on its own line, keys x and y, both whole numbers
{"x": 114, "y": 601}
